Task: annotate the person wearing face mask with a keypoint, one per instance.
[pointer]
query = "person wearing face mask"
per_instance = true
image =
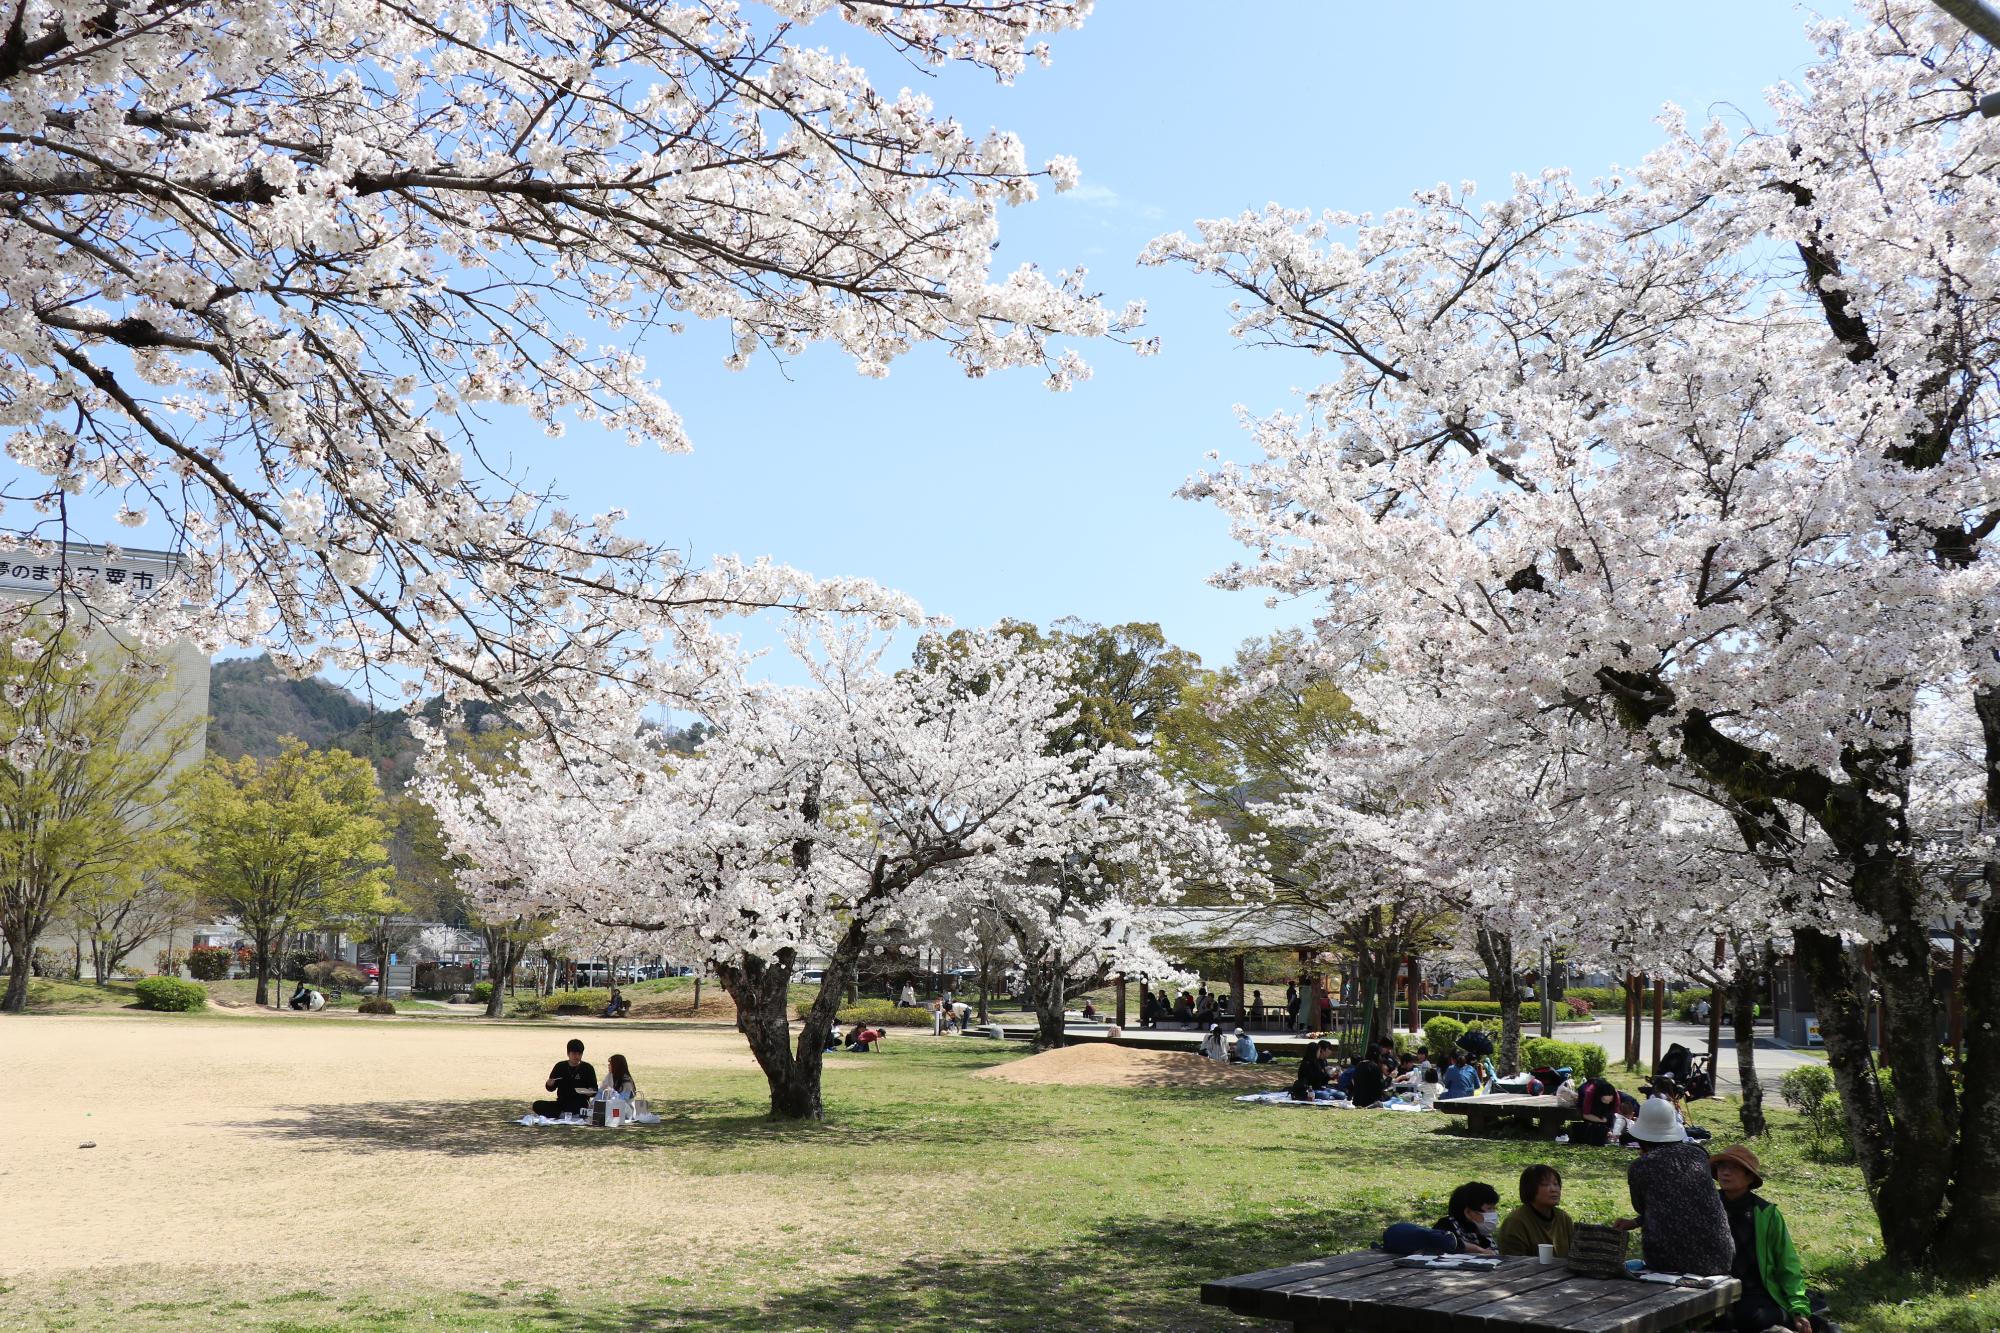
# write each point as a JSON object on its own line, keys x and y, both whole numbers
{"x": 1538, "y": 1221}
{"x": 1467, "y": 1227}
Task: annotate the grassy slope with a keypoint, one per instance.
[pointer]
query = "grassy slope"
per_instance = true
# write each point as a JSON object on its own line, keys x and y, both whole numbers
{"x": 975, "y": 1204}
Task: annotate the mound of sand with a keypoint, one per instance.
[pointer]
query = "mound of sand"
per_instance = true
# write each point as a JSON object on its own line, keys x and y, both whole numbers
{"x": 1101, "y": 1065}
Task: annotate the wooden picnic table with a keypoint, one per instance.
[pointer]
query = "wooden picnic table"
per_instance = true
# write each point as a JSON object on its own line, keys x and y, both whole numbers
{"x": 1369, "y": 1293}
{"x": 1482, "y": 1114}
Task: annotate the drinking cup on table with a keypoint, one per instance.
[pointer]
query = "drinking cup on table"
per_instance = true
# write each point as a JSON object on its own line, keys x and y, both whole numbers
{"x": 1545, "y": 1253}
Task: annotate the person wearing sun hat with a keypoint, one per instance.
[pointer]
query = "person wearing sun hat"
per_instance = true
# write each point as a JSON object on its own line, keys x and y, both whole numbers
{"x": 1675, "y": 1197}
{"x": 1774, "y": 1281}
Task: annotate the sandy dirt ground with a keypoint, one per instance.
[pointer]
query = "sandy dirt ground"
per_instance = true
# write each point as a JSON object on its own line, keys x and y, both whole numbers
{"x": 349, "y": 1152}
{"x": 1098, "y": 1065}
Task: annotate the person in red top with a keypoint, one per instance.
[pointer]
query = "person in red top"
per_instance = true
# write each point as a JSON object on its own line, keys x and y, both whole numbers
{"x": 863, "y": 1038}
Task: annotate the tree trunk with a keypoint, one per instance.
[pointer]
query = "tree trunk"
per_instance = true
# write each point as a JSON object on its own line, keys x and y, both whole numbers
{"x": 263, "y": 943}
{"x": 22, "y": 947}
{"x": 1743, "y": 991}
{"x": 762, "y": 992}
{"x": 1496, "y": 952}
{"x": 1046, "y": 984}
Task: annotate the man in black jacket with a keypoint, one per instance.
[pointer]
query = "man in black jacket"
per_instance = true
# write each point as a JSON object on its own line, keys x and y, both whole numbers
{"x": 572, "y": 1081}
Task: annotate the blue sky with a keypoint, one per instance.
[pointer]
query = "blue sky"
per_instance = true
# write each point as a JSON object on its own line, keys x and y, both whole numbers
{"x": 996, "y": 498}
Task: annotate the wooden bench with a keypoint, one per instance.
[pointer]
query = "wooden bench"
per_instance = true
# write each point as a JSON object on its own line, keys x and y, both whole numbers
{"x": 1370, "y": 1293}
{"x": 1485, "y": 1114}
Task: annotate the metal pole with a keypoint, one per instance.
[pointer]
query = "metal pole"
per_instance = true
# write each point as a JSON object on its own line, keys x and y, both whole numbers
{"x": 1975, "y": 15}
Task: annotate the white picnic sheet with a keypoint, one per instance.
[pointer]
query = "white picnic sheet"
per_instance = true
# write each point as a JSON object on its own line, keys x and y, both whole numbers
{"x": 1285, "y": 1099}
{"x": 537, "y": 1121}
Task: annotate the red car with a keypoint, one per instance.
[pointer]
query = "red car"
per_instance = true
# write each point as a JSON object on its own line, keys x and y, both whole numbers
{"x": 371, "y": 971}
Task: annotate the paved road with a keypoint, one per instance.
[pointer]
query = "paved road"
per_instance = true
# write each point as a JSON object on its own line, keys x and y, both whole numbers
{"x": 1772, "y": 1059}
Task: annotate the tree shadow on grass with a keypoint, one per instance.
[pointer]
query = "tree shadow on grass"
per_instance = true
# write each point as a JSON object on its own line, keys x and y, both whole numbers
{"x": 1126, "y": 1274}
{"x": 491, "y": 1126}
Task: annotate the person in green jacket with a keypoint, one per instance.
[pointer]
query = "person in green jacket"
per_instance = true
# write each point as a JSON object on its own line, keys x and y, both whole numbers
{"x": 1767, "y": 1263}
{"x": 1539, "y": 1220}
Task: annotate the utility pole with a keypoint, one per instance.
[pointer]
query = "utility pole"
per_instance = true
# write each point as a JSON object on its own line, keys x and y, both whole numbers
{"x": 1548, "y": 996}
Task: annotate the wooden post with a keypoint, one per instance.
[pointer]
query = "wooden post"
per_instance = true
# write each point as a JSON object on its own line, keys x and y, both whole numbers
{"x": 1236, "y": 984}
{"x": 1634, "y": 1015}
{"x": 1956, "y": 1009}
{"x": 1120, "y": 984}
{"x": 1416, "y": 996}
{"x": 1659, "y": 1004}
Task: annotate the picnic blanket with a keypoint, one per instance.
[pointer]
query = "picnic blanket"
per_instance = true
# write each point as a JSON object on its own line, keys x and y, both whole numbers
{"x": 536, "y": 1121}
{"x": 1285, "y": 1099}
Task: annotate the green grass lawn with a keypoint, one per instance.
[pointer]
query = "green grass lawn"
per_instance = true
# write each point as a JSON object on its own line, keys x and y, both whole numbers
{"x": 974, "y": 1204}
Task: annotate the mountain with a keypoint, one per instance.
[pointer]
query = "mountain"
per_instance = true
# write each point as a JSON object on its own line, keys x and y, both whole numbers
{"x": 252, "y": 705}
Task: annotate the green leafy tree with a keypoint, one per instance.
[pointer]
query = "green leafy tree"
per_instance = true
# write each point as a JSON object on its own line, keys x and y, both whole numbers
{"x": 87, "y": 763}
{"x": 288, "y": 843}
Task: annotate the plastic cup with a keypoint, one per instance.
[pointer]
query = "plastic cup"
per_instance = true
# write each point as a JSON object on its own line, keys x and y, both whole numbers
{"x": 1545, "y": 1253}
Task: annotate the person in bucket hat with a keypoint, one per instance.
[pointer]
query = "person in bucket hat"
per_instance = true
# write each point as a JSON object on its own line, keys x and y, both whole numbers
{"x": 1675, "y": 1198}
{"x": 1774, "y": 1281}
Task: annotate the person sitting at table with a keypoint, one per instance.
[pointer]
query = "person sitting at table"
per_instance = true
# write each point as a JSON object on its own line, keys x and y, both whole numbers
{"x": 1315, "y": 1080}
{"x": 1538, "y": 1221}
{"x": 1214, "y": 1046}
{"x": 1767, "y": 1263}
{"x": 1089, "y": 1012}
{"x": 1597, "y": 1103}
{"x": 1204, "y": 1014}
{"x": 618, "y": 1078}
{"x": 1675, "y": 1198}
{"x": 572, "y": 1081}
{"x": 1460, "y": 1079}
{"x": 1257, "y": 1005}
{"x": 1467, "y": 1227}
{"x": 1184, "y": 1009}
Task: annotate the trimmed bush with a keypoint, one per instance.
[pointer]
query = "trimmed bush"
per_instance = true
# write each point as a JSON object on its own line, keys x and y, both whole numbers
{"x": 377, "y": 1007}
{"x": 1441, "y": 1034}
{"x": 1582, "y": 1059}
{"x": 344, "y": 975}
{"x": 171, "y": 994}
{"x": 482, "y": 992}
{"x": 209, "y": 963}
{"x": 592, "y": 1001}
{"x": 882, "y": 1013}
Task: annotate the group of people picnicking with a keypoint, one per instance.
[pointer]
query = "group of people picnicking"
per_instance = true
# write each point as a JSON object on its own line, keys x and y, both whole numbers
{"x": 1695, "y": 1213}
{"x": 575, "y": 1084}
{"x": 1373, "y": 1076}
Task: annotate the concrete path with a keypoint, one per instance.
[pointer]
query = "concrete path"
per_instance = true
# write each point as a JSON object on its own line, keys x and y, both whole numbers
{"x": 1772, "y": 1059}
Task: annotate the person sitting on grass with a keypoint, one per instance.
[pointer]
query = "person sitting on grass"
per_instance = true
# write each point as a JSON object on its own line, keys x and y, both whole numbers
{"x": 572, "y": 1081}
{"x": 864, "y": 1037}
{"x": 1538, "y": 1221}
{"x": 1767, "y": 1263}
{"x": 1675, "y": 1198}
{"x": 1214, "y": 1046}
{"x": 1369, "y": 1082}
{"x": 1466, "y": 1228}
{"x": 1243, "y": 1051}
{"x": 1315, "y": 1080}
{"x": 618, "y": 1078}
{"x": 618, "y": 1006}
{"x": 1460, "y": 1078}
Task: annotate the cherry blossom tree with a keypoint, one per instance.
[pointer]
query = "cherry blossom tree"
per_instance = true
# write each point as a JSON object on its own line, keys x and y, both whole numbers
{"x": 1702, "y": 453}
{"x": 280, "y": 275}
{"x": 812, "y": 820}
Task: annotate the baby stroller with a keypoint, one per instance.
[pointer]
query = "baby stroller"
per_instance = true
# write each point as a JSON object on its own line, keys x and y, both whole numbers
{"x": 1689, "y": 1070}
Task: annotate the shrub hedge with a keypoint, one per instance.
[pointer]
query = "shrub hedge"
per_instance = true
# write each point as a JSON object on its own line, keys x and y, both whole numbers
{"x": 1581, "y": 1058}
{"x": 171, "y": 994}
{"x": 208, "y": 963}
{"x": 592, "y": 1000}
{"x": 482, "y": 991}
{"x": 883, "y": 1013}
{"x": 377, "y": 1007}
